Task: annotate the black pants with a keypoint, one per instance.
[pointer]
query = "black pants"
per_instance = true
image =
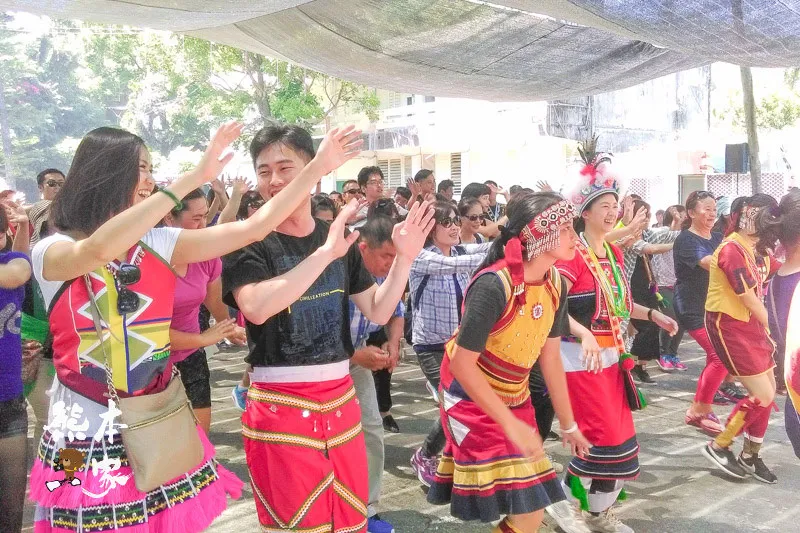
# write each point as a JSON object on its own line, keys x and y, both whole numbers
{"x": 383, "y": 386}
{"x": 540, "y": 399}
{"x": 670, "y": 344}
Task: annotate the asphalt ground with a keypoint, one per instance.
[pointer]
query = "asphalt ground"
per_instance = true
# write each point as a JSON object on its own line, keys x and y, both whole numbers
{"x": 678, "y": 490}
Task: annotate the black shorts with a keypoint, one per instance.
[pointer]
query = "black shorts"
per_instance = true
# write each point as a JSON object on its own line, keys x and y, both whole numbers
{"x": 196, "y": 378}
{"x": 13, "y": 418}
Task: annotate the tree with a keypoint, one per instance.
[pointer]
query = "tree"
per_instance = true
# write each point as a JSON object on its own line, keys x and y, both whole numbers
{"x": 41, "y": 104}
{"x": 749, "y": 106}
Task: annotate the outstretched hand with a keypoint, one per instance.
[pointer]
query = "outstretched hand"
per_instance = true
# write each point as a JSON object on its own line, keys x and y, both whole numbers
{"x": 15, "y": 213}
{"x": 409, "y": 236}
{"x": 213, "y": 162}
{"x": 337, "y": 243}
{"x": 576, "y": 442}
{"x": 338, "y": 146}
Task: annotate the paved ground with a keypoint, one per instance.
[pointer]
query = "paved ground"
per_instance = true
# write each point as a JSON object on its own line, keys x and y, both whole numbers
{"x": 677, "y": 491}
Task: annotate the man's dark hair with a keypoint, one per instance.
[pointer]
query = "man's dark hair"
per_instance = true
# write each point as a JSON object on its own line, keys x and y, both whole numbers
{"x": 422, "y": 175}
{"x": 444, "y": 185}
{"x": 289, "y": 135}
{"x": 41, "y": 175}
{"x": 365, "y": 173}
{"x": 334, "y": 193}
{"x": 376, "y": 231}
{"x": 405, "y": 192}
{"x": 475, "y": 190}
{"x": 322, "y": 203}
{"x": 346, "y": 183}
{"x": 101, "y": 182}
{"x": 490, "y": 182}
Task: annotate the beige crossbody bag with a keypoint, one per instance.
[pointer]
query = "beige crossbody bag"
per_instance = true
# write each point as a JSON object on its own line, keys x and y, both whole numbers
{"x": 161, "y": 440}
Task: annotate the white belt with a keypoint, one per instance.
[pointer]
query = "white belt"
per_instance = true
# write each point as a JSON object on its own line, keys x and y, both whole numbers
{"x": 300, "y": 374}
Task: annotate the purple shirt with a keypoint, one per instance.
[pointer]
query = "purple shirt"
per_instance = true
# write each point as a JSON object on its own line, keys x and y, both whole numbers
{"x": 10, "y": 340}
{"x": 190, "y": 292}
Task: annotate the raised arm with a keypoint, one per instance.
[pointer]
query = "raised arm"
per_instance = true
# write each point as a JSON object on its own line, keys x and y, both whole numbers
{"x": 431, "y": 263}
{"x": 66, "y": 260}
{"x": 194, "y": 246}
{"x": 18, "y": 217}
{"x": 240, "y": 186}
{"x": 378, "y": 303}
{"x": 264, "y": 299}
{"x": 15, "y": 273}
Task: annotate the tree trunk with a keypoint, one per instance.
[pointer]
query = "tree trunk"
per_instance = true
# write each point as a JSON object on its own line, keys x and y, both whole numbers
{"x": 6, "y": 134}
{"x": 752, "y": 128}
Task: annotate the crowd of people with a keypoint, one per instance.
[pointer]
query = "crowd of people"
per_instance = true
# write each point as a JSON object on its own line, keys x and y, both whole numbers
{"x": 544, "y": 306}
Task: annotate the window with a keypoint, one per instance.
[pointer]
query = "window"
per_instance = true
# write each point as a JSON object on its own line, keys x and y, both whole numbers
{"x": 392, "y": 171}
{"x": 429, "y": 99}
{"x": 406, "y": 168}
{"x": 409, "y": 100}
{"x": 455, "y": 172}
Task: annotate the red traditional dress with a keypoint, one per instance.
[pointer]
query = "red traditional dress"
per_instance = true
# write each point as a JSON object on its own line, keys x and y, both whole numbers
{"x": 598, "y": 400}
{"x": 138, "y": 348}
{"x": 743, "y": 344}
{"x": 481, "y": 472}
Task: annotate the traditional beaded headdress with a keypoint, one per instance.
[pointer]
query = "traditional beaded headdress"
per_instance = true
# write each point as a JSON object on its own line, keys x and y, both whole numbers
{"x": 747, "y": 221}
{"x": 541, "y": 234}
{"x": 596, "y": 178}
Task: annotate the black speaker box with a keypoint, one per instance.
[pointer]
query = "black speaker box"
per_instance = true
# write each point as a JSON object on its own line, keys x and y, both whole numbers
{"x": 737, "y": 159}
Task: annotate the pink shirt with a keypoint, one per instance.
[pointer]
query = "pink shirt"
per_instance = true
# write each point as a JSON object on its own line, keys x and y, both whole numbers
{"x": 190, "y": 292}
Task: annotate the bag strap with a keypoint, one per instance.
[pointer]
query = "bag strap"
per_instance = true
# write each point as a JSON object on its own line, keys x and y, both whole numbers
{"x": 96, "y": 317}
{"x": 418, "y": 294}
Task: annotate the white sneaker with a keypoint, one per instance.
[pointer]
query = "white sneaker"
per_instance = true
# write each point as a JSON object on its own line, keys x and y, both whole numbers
{"x": 434, "y": 392}
{"x": 605, "y": 522}
{"x": 568, "y": 517}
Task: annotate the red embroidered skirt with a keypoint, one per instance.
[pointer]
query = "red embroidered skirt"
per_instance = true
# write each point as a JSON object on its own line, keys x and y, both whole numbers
{"x": 306, "y": 455}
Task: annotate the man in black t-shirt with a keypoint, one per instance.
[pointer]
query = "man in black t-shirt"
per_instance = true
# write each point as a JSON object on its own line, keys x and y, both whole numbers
{"x": 302, "y": 431}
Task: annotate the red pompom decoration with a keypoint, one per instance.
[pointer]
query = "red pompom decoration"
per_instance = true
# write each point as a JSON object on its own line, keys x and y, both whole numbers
{"x": 628, "y": 364}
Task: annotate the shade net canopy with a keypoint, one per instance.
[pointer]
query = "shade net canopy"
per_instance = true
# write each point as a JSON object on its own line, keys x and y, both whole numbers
{"x": 500, "y": 50}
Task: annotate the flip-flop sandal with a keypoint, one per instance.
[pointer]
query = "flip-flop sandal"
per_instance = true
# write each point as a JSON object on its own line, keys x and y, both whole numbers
{"x": 708, "y": 424}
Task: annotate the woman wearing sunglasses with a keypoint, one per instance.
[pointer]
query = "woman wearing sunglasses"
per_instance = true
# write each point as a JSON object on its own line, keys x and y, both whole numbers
{"x": 472, "y": 218}
{"x": 438, "y": 281}
{"x": 108, "y": 273}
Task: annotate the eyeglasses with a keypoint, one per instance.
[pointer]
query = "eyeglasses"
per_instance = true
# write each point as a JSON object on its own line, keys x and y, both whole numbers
{"x": 449, "y": 221}
{"x": 352, "y": 191}
{"x": 127, "y": 300}
{"x": 54, "y": 183}
{"x": 475, "y": 218}
{"x": 375, "y": 182}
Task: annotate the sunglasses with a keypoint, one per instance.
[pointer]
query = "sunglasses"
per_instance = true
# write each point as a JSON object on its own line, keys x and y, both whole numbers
{"x": 475, "y": 218}
{"x": 383, "y": 202}
{"x": 54, "y": 183}
{"x": 450, "y": 221}
{"x": 256, "y": 204}
{"x": 127, "y": 300}
{"x": 352, "y": 191}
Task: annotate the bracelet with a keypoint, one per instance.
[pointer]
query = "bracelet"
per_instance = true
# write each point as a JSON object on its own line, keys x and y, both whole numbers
{"x": 178, "y": 203}
{"x": 650, "y": 315}
{"x": 572, "y": 429}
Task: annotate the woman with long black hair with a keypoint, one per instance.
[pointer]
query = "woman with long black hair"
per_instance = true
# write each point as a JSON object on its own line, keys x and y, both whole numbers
{"x": 107, "y": 280}
{"x": 515, "y": 313}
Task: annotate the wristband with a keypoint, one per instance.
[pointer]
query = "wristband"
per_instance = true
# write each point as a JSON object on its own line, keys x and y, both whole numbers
{"x": 178, "y": 203}
{"x": 650, "y": 315}
{"x": 572, "y": 429}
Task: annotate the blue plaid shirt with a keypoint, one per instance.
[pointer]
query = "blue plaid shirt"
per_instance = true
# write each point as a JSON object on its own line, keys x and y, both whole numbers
{"x": 438, "y": 314}
{"x": 361, "y": 327}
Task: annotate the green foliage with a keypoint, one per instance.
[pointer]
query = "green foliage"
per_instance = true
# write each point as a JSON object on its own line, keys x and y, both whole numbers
{"x": 171, "y": 90}
{"x": 776, "y": 111}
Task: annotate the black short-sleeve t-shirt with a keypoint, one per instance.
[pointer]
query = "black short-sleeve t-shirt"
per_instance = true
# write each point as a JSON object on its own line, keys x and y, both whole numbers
{"x": 314, "y": 330}
{"x": 691, "y": 285}
{"x": 484, "y": 304}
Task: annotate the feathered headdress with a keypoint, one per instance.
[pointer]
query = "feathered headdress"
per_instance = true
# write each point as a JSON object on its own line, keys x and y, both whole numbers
{"x": 595, "y": 178}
